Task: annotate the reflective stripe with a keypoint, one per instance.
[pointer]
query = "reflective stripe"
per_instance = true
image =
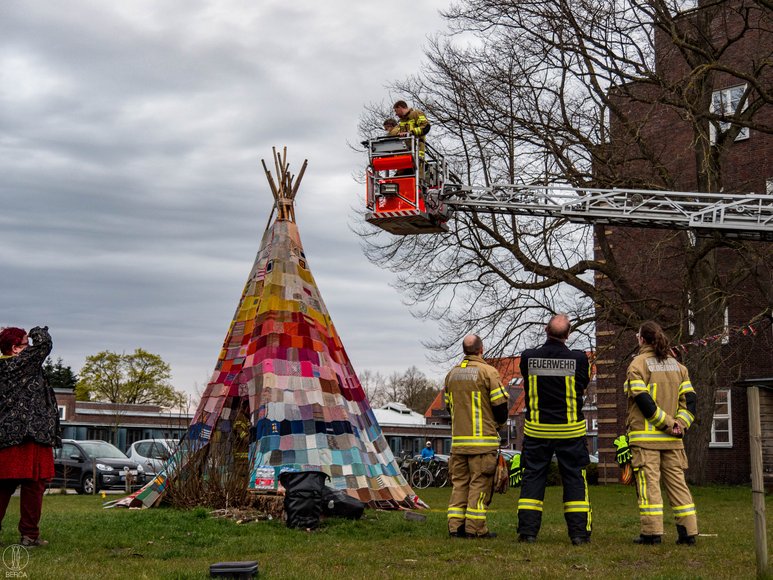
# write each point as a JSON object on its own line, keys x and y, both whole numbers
{"x": 555, "y": 430}
{"x": 681, "y": 511}
{"x": 530, "y": 504}
{"x": 686, "y": 417}
{"x": 636, "y": 386}
{"x": 658, "y": 419}
{"x": 589, "y": 523}
{"x": 576, "y": 506}
{"x": 533, "y": 398}
{"x": 475, "y": 441}
{"x": 456, "y": 512}
{"x": 477, "y": 414}
{"x": 498, "y": 393}
{"x": 464, "y": 364}
{"x": 645, "y": 436}
{"x": 571, "y": 400}
{"x": 641, "y": 482}
{"x": 686, "y": 387}
{"x": 651, "y": 510}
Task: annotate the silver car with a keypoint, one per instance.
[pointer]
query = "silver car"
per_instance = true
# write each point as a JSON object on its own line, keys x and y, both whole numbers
{"x": 152, "y": 453}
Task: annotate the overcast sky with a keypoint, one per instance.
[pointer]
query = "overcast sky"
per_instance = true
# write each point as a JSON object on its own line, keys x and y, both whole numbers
{"x": 132, "y": 199}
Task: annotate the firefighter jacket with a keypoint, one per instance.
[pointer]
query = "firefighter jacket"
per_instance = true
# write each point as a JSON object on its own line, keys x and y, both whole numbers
{"x": 555, "y": 379}
{"x": 414, "y": 122}
{"x": 668, "y": 385}
{"x": 471, "y": 390}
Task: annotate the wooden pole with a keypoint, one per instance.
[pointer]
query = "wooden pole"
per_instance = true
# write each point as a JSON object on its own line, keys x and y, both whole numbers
{"x": 758, "y": 487}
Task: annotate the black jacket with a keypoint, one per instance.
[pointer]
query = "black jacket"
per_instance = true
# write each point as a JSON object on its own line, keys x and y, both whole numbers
{"x": 28, "y": 410}
{"x": 554, "y": 380}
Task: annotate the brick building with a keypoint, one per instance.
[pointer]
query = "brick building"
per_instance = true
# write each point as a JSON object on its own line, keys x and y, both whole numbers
{"x": 657, "y": 260}
{"x": 121, "y": 425}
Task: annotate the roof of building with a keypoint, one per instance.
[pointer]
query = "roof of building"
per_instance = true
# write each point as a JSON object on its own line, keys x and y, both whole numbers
{"x": 398, "y": 414}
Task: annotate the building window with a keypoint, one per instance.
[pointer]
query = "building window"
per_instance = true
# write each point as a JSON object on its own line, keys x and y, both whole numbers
{"x": 725, "y": 102}
{"x": 722, "y": 422}
{"x": 62, "y": 412}
{"x": 769, "y": 186}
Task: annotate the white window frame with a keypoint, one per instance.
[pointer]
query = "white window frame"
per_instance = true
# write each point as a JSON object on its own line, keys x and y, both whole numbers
{"x": 62, "y": 412}
{"x": 725, "y": 98}
{"x": 729, "y": 416}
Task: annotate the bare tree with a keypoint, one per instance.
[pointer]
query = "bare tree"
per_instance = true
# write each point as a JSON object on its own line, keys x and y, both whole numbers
{"x": 415, "y": 390}
{"x": 374, "y": 385}
{"x": 551, "y": 91}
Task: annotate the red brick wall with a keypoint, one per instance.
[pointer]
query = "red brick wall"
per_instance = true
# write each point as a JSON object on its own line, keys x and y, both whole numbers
{"x": 653, "y": 259}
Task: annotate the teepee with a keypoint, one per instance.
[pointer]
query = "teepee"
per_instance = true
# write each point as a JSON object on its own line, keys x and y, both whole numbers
{"x": 284, "y": 378}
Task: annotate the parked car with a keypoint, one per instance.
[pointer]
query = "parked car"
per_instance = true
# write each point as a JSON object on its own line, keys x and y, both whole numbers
{"x": 152, "y": 453}
{"x": 75, "y": 463}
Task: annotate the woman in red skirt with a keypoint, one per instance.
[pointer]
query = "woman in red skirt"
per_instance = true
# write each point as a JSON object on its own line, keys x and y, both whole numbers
{"x": 29, "y": 426}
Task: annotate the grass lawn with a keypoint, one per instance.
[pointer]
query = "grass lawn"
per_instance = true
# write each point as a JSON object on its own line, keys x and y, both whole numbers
{"x": 89, "y": 542}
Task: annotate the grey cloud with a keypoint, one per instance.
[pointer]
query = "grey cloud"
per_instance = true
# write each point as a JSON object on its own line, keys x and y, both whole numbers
{"x": 132, "y": 199}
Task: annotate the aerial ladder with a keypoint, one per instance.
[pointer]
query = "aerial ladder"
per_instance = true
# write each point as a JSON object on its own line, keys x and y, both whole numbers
{"x": 406, "y": 195}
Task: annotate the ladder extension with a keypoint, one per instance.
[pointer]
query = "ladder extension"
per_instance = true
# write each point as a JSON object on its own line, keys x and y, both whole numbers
{"x": 745, "y": 216}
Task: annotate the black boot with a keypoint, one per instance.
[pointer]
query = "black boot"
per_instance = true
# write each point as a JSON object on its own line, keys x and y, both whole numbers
{"x": 683, "y": 538}
{"x": 458, "y": 533}
{"x": 647, "y": 540}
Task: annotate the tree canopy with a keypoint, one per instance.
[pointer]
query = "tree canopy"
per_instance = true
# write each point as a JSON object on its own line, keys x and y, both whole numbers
{"x": 58, "y": 375}
{"x": 138, "y": 378}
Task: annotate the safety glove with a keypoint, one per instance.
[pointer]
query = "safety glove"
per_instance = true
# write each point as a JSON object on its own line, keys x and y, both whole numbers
{"x": 624, "y": 457}
{"x": 516, "y": 471}
{"x": 624, "y": 454}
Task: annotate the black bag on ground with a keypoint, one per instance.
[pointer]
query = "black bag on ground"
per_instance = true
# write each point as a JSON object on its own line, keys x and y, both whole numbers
{"x": 303, "y": 498}
{"x": 336, "y": 503}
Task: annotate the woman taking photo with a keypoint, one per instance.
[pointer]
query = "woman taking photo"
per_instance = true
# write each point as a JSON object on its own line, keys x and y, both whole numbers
{"x": 29, "y": 426}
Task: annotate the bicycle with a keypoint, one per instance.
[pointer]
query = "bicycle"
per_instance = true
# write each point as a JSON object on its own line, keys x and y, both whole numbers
{"x": 433, "y": 473}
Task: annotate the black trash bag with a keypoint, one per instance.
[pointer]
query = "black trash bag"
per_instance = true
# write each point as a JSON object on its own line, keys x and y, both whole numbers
{"x": 336, "y": 503}
{"x": 303, "y": 498}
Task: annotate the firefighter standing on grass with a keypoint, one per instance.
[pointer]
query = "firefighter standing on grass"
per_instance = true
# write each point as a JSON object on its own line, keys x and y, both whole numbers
{"x": 477, "y": 402}
{"x": 661, "y": 407}
{"x": 555, "y": 379}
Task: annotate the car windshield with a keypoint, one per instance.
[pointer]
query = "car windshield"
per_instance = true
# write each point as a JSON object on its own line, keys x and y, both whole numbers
{"x": 100, "y": 449}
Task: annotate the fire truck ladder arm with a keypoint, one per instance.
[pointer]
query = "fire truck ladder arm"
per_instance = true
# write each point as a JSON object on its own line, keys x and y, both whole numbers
{"x": 746, "y": 216}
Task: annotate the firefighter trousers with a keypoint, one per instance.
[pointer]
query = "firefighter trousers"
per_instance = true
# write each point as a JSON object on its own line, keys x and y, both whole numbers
{"x": 472, "y": 478}
{"x": 650, "y": 466}
{"x": 572, "y": 455}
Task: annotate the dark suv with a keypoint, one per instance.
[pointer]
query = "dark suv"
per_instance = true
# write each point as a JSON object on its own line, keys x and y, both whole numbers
{"x": 76, "y": 462}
